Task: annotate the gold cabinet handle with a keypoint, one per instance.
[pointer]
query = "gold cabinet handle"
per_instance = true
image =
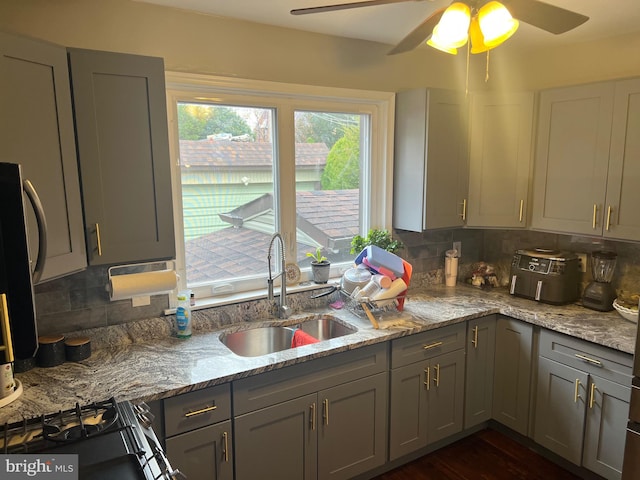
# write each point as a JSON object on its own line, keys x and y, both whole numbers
{"x": 608, "y": 218}
{"x": 474, "y": 340}
{"x": 312, "y": 416}
{"x": 521, "y": 210}
{"x": 427, "y": 372}
{"x": 325, "y": 411}
{"x": 592, "y": 394}
{"x": 437, "y": 377}
{"x": 577, "y": 394}
{"x": 225, "y": 447}
{"x": 595, "y": 214}
{"x": 98, "y": 239}
{"x": 464, "y": 210}
{"x": 589, "y": 360}
{"x": 432, "y": 345}
{"x": 200, "y": 411}
{"x": 7, "y": 346}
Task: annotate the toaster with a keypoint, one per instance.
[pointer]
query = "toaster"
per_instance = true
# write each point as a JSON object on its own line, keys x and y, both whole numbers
{"x": 547, "y": 276}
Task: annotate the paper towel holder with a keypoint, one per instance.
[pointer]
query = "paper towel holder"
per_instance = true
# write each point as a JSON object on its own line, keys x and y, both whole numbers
{"x": 148, "y": 281}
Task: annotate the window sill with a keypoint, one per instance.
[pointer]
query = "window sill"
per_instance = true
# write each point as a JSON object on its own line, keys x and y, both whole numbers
{"x": 253, "y": 295}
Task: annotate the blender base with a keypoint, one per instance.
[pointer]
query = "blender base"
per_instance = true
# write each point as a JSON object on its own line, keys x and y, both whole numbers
{"x": 599, "y": 296}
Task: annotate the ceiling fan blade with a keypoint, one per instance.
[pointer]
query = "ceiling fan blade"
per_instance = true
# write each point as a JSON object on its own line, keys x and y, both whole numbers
{"x": 542, "y": 15}
{"x": 345, "y": 6}
{"x": 418, "y": 34}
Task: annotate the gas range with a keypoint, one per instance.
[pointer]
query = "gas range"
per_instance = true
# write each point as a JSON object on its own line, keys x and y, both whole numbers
{"x": 112, "y": 440}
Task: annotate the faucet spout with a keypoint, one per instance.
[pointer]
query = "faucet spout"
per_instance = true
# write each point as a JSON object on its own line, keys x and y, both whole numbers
{"x": 283, "y": 309}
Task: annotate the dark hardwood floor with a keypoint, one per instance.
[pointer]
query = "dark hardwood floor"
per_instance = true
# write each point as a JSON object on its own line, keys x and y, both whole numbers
{"x": 486, "y": 455}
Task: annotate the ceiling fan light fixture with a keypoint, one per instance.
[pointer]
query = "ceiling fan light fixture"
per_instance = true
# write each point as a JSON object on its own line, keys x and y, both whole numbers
{"x": 496, "y": 23}
{"x": 438, "y": 44}
{"x": 476, "y": 37}
{"x": 452, "y": 31}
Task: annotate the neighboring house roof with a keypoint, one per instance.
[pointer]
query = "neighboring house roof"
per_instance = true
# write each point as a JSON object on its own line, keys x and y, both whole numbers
{"x": 325, "y": 217}
{"x": 227, "y": 153}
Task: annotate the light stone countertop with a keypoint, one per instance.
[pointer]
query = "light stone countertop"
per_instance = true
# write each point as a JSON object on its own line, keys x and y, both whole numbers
{"x": 142, "y": 361}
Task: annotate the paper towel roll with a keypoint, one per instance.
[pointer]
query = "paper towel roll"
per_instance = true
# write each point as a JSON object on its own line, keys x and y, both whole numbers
{"x": 137, "y": 284}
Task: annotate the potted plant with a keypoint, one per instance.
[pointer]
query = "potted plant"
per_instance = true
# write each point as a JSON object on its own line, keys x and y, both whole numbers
{"x": 379, "y": 238}
{"x": 320, "y": 266}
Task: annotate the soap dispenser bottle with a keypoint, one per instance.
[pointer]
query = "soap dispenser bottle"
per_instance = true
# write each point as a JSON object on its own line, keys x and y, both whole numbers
{"x": 183, "y": 316}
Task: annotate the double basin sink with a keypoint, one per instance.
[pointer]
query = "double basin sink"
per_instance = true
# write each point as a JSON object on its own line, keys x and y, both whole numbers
{"x": 257, "y": 341}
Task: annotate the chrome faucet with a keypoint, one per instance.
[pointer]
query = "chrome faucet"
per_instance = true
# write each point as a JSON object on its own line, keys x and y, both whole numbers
{"x": 283, "y": 310}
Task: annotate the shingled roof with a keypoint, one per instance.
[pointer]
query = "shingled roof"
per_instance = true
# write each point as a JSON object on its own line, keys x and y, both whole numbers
{"x": 325, "y": 217}
{"x": 227, "y": 153}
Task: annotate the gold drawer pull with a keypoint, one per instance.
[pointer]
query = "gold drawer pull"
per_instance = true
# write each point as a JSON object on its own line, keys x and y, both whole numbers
{"x": 225, "y": 447}
{"x": 312, "y": 416}
{"x": 608, "y": 219}
{"x": 325, "y": 411}
{"x": 521, "y": 211}
{"x": 577, "y": 395}
{"x": 592, "y": 394}
{"x": 437, "y": 378}
{"x": 589, "y": 360}
{"x": 427, "y": 372}
{"x": 433, "y": 345}
{"x": 595, "y": 214}
{"x": 474, "y": 341}
{"x": 464, "y": 210}
{"x": 200, "y": 412}
{"x": 98, "y": 241}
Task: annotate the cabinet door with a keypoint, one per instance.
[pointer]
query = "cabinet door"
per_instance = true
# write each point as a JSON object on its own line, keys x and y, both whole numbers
{"x": 560, "y": 409}
{"x": 352, "y": 428}
{"x": 278, "y": 441}
{"x": 572, "y": 156}
{"x": 607, "y": 414}
{"x": 500, "y": 158}
{"x": 481, "y": 340}
{"x": 408, "y": 409}
{"x": 512, "y": 376}
{"x": 623, "y": 194}
{"x": 123, "y": 149}
{"x": 36, "y": 131}
{"x": 431, "y": 159}
{"x": 203, "y": 454}
{"x": 445, "y": 397}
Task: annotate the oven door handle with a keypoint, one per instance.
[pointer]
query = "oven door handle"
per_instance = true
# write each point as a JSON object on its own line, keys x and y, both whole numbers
{"x": 41, "y": 220}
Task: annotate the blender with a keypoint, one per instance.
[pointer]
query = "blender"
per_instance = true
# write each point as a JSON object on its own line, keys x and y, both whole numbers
{"x": 599, "y": 294}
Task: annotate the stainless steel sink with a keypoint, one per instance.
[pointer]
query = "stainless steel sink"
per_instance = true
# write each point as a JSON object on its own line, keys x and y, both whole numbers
{"x": 254, "y": 342}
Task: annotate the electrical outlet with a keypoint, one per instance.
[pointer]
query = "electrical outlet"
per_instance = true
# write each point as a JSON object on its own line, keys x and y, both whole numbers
{"x": 458, "y": 246}
{"x": 582, "y": 259}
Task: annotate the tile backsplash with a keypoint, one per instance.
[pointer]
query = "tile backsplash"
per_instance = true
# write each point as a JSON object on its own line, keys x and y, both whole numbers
{"x": 81, "y": 301}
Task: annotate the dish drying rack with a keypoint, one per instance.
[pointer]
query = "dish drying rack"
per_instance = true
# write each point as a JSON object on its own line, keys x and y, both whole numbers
{"x": 370, "y": 308}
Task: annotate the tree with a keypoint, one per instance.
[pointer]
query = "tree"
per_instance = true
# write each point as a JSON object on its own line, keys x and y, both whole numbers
{"x": 342, "y": 171}
{"x": 195, "y": 121}
{"x": 322, "y": 127}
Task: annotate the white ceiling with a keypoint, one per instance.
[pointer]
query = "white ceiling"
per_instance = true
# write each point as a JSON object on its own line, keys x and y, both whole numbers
{"x": 390, "y": 23}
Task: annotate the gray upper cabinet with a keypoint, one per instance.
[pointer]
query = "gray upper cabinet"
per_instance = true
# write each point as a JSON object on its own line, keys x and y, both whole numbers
{"x": 123, "y": 150}
{"x": 586, "y": 140}
{"x": 500, "y": 159}
{"x": 431, "y": 159}
{"x": 36, "y": 131}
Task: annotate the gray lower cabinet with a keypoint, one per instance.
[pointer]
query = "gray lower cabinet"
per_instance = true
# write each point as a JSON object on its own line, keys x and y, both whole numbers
{"x": 512, "y": 374}
{"x": 582, "y": 402}
{"x": 123, "y": 149}
{"x": 481, "y": 344}
{"x": 199, "y": 437}
{"x": 324, "y": 419}
{"x": 427, "y": 388}
{"x": 36, "y": 131}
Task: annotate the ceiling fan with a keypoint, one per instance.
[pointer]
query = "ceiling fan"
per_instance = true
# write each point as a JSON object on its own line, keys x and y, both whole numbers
{"x": 547, "y": 17}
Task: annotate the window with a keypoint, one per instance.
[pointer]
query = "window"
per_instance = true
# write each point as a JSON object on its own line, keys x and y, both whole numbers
{"x": 253, "y": 158}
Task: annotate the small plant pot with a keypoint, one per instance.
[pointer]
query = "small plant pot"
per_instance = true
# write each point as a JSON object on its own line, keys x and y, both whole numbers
{"x": 320, "y": 271}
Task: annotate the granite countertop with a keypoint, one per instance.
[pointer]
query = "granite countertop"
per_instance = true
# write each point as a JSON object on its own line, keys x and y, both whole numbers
{"x": 142, "y": 361}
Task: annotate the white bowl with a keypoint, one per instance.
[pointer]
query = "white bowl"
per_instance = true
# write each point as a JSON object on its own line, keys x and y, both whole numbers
{"x": 627, "y": 313}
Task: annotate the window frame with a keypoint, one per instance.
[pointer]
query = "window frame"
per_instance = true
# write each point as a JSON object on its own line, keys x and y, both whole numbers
{"x": 285, "y": 99}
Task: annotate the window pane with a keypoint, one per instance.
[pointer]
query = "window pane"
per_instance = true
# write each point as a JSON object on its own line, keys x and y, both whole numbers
{"x": 329, "y": 157}
{"x": 226, "y": 167}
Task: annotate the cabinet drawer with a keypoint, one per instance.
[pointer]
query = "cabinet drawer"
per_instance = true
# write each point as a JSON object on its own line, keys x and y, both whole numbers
{"x": 588, "y": 357}
{"x": 259, "y": 391}
{"x": 414, "y": 348}
{"x": 197, "y": 409}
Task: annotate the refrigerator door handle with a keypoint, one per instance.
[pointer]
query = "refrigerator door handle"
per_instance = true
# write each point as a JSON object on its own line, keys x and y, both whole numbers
{"x": 42, "y": 229}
